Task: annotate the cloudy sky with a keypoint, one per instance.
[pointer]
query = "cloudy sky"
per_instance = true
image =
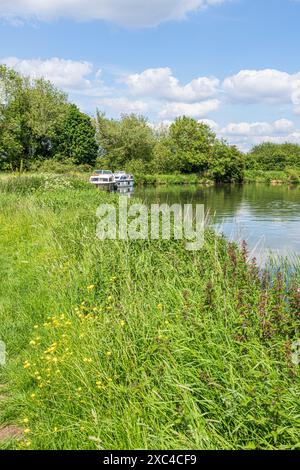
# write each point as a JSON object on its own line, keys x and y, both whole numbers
{"x": 232, "y": 63}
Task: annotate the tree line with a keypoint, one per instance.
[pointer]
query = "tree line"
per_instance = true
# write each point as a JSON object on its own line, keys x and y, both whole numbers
{"x": 38, "y": 124}
{"x": 269, "y": 156}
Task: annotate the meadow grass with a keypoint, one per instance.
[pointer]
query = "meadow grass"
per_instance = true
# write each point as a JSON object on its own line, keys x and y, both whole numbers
{"x": 139, "y": 344}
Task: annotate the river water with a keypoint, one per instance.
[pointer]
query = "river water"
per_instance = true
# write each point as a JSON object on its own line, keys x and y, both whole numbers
{"x": 266, "y": 216}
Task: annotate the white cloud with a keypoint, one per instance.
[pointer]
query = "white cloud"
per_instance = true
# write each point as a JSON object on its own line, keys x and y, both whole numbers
{"x": 72, "y": 76}
{"x": 247, "y": 134}
{"x": 161, "y": 83}
{"x": 258, "y": 128}
{"x": 247, "y": 129}
{"x": 246, "y": 143}
{"x": 263, "y": 86}
{"x": 124, "y": 105}
{"x": 196, "y": 110}
{"x": 66, "y": 74}
{"x": 212, "y": 124}
{"x": 283, "y": 125}
{"x": 136, "y": 13}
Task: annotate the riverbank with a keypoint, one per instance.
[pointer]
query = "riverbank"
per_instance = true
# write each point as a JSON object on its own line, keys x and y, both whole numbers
{"x": 251, "y": 176}
{"x": 140, "y": 179}
{"x": 273, "y": 177}
{"x": 101, "y": 356}
{"x": 178, "y": 179}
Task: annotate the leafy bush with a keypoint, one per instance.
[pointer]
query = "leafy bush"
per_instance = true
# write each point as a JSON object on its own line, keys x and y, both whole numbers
{"x": 269, "y": 157}
{"x": 59, "y": 167}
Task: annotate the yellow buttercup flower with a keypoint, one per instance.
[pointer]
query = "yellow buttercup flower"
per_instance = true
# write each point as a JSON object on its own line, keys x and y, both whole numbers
{"x": 91, "y": 287}
{"x": 87, "y": 359}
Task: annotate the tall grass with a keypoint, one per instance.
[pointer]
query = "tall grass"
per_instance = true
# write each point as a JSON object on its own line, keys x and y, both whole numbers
{"x": 139, "y": 344}
{"x": 180, "y": 179}
{"x": 25, "y": 184}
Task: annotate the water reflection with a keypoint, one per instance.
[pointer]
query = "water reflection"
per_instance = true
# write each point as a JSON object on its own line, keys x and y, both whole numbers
{"x": 267, "y": 217}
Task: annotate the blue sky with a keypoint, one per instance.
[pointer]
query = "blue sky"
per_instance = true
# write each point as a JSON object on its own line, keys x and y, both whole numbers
{"x": 233, "y": 63}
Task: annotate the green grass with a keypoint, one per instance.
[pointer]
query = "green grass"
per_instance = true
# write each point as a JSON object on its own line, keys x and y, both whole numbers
{"x": 180, "y": 179}
{"x": 39, "y": 182}
{"x": 130, "y": 345}
{"x": 290, "y": 176}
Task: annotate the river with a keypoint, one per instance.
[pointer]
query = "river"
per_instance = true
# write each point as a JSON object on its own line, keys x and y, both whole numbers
{"x": 266, "y": 216}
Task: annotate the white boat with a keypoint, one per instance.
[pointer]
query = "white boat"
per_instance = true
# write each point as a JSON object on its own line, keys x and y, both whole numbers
{"x": 103, "y": 179}
{"x": 123, "y": 180}
{"x": 119, "y": 181}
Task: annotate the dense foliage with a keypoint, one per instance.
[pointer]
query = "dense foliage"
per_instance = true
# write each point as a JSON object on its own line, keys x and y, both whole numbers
{"x": 128, "y": 142}
{"x": 186, "y": 147}
{"x": 269, "y": 156}
{"x": 76, "y": 139}
{"x": 37, "y": 123}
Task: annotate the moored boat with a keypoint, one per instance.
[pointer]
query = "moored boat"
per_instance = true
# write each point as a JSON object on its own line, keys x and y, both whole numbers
{"x": 123, "y": 180}
{"x": 119, "y": 181}
{"x": 103, "y": 179}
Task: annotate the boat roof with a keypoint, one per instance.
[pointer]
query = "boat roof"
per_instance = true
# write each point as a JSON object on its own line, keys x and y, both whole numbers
{"x": 103, "y": 172}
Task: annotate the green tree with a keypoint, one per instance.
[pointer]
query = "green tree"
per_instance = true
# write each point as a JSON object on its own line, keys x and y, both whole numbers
{"x": 76, "y": 139}
{"x": 271, "y": 156}
{"x": 11, "y": 85}
{"x": 127, "y": 143}
{"x": 191, "y": 144}
{"x": 30, "y": 116}
{"x": 163, "y": 161}
{"x": 47, "y": 108}
{"x": 227, "y": 163}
